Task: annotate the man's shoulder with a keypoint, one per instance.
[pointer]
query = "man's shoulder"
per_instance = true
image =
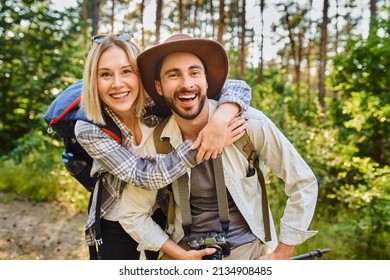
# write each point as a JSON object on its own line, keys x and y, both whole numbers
{"x": 254, "y": 113}
{"x": 148, "y": 147}
{"x": 158, "y": 131}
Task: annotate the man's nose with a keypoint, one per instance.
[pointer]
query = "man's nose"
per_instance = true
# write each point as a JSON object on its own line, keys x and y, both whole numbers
{"x": 186, "y": 82}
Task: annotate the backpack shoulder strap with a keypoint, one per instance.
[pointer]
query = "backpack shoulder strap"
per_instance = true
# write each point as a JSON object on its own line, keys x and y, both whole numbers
{"x": 245, "y": 146}
{"x": 164, "y": 147}
{"x": 111, "y": 128}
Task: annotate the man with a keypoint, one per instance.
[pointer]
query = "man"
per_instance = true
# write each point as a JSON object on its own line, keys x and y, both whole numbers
{"x": 187, "y": 72}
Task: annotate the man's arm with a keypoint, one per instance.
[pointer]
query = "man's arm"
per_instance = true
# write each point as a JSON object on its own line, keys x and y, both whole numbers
{"x": 135, "y": 218}
{"x": 301, "y": 186}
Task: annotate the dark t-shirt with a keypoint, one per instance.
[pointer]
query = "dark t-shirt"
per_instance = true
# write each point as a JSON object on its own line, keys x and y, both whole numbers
{"x": 204, "y": 208}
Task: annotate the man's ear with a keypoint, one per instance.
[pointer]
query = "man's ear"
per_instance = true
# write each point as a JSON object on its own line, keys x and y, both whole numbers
{"x": 157, "y": 85}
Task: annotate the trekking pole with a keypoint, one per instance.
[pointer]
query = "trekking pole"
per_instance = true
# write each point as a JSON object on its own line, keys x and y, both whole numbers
{"x": 311, "y": 255}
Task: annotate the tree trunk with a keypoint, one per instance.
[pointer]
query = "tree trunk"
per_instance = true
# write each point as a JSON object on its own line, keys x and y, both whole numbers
{"x": 112, "y": 18}
{"x": 158, "y": 20}
{"x": 221, "y": 21}
{"x": 322, "y": 58}
{"x": 95, "y": 17}
{"x": 212, "y": 22}
{"x": 336, "y": 39}
{"x": 373, "y": 14}
{"x": 181, "y": 17}
{"x": 84, "y": 26}
{"x": 260, "y": 75}
{"x": 242, "y": 44}
{"x": 142, "y": 9}
{"x": 195, "y": 19}
{"x": 296, "y": 53}
{"x": 308, "y": 58}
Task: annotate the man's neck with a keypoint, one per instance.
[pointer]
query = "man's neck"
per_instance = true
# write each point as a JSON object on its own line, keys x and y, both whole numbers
{"x": 191, "y": 128}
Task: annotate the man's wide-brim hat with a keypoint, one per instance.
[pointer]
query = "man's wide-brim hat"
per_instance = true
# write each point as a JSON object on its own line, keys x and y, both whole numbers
{"x": 212, "y": 54}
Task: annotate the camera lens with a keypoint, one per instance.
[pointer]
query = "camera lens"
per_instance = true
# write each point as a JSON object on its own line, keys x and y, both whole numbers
{"x": 216, "y": 256}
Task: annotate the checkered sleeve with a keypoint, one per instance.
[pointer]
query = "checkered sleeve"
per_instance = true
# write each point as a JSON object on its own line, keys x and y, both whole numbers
{"x": 236, "y": 91}
{"x": 152, "y": 172}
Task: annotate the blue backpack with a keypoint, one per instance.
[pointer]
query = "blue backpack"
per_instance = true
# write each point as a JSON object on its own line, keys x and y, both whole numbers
{"x": 61, "y": 117}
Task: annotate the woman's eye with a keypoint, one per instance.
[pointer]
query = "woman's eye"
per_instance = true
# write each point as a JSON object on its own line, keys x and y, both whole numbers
{"x": 104, "y": 74}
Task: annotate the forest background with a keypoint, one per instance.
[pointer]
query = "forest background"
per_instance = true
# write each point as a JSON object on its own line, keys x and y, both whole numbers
{"x": 326, "y": 87}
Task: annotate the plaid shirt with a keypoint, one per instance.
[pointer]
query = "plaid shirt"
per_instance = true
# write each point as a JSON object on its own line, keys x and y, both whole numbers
{"x": 151, "y": 172}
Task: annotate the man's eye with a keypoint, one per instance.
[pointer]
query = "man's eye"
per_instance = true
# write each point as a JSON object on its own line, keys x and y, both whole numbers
{"x": 173, "y": 75}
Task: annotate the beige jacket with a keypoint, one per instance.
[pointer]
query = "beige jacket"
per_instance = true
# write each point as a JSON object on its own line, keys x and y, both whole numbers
{"x": 274, "y": 151}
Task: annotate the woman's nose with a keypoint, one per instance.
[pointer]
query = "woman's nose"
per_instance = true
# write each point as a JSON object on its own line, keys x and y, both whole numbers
{"x": 117, "y": 82}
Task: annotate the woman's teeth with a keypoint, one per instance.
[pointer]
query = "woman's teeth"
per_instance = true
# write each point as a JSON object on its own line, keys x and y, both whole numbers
{"x": 120, "y": 95}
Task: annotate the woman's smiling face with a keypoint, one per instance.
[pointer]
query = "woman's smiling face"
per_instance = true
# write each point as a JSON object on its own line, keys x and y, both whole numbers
{"x": 118, "y": 84}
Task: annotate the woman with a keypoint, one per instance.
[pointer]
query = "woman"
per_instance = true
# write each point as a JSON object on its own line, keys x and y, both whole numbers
{"x": 112, "y": 86}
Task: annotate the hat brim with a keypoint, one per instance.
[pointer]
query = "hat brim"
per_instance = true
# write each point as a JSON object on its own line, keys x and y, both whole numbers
{"x": 210, "y": 52}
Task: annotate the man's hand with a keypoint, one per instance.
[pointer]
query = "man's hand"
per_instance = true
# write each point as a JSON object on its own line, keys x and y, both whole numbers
{"x": 176, "y": 252}
{"x": 198, "y": 254}
{"x": 282, "y": 252}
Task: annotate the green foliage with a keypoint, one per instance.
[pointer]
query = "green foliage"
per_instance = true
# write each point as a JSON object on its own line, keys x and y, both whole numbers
{"x": 362, "y": 82}
{"x": 353, "y": 205}
{"x": 41, "y": 54}
{"x": 34, "y": 170}
{"x": 347, "y": 146}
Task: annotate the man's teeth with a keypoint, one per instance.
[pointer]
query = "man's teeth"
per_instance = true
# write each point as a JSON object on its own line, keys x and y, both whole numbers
{"x": 187, "y": 96}
{"x": 120, "y": 95}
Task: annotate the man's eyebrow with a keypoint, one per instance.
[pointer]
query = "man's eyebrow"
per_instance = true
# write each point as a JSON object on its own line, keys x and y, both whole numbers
{"x": 171, "y": 70}
{"x": 195, "y": 66}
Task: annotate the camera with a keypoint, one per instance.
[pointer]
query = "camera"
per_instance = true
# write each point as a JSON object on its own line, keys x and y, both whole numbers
{"x": 211, "y": 240}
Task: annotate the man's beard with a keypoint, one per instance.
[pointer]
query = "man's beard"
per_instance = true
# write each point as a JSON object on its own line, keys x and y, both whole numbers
{"x": 186, "y": 113}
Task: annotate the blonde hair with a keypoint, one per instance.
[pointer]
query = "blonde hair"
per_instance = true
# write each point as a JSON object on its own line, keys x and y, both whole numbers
{"x": 90, "y": 100}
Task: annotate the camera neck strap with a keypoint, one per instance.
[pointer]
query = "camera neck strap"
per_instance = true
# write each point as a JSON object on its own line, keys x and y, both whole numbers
{"x": 184, "y": 198}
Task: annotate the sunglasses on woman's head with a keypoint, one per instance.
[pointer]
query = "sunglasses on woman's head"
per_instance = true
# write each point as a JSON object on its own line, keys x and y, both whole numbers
{"x": 100, "y": 38}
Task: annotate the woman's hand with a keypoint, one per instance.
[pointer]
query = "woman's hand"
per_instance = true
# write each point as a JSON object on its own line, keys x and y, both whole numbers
{"x": 236, "y": 130}
{"x": 216, "y": 135}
